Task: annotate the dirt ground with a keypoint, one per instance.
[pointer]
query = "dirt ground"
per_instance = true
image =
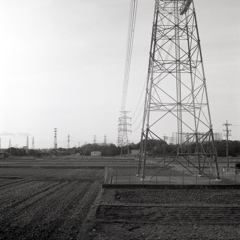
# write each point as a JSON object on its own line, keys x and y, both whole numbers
{"x": 45, "y": 202}
{"x": 166, "y": 214}
{"x": 63, "y": 199}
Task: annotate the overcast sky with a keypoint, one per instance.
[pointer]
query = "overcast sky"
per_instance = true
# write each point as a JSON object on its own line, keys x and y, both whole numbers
{"x": 62, "y": 66}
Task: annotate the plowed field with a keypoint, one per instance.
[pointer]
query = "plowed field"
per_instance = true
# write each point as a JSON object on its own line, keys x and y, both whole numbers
{"x": 45, "y": 203}
{"x": 63, "y": 199}
{"x": 167, "y": 214}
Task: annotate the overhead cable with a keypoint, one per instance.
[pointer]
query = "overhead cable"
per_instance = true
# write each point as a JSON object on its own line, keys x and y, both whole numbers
{"x": 131, "y": 30}
{"x": 144, "y": 86}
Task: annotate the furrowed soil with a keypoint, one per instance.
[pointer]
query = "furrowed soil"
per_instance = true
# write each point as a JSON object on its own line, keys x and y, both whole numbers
{"x": 167, "y": 214}
{"x": 57, "y": 198}
{"x": 38, "y": 201}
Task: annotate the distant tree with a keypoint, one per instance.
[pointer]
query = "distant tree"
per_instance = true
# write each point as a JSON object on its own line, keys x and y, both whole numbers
{"x": 113, "y": 150}
{"x": 12, "y": 151}
{"x": 16, "y": 152}
{"x": 234, "y": 148}
{"x": 22, "y": 152}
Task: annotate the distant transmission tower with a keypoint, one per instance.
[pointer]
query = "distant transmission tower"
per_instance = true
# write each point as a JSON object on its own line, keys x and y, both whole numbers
{"x": 27, "y": 143}
{"x": 105, "y": 140}
{"x": 33, "y": 143}
{"x": 123, "y": 130}
{"x": 55, "y": 138}
{"x": 94, "y": 139}
{"x": 176, "y": 95}
{"x": 68, "y": 141}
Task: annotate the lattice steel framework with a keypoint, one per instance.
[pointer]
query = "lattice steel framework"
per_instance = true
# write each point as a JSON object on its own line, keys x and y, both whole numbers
{"x": 176, "y": 94}
{"x": 55, "y": 138}
{"x": 123, "y": 130}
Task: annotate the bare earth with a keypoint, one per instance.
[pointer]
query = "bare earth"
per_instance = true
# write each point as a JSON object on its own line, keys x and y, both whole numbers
{"x": 63, "y": 199}
{"x": 167, "y": 214}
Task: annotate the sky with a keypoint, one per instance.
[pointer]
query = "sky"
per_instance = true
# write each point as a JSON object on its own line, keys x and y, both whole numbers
{"x": 62, "y": 66}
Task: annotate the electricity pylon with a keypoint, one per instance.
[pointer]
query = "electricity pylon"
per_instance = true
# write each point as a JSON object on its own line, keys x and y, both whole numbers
{"x": 55, "y": 138}
{"x": 105, "y": 140}
{"x": 68, "y": 141}
{"x": 123, "y": 130}
{"x": 176, "y": 95}
{"x": 33, "y": 143}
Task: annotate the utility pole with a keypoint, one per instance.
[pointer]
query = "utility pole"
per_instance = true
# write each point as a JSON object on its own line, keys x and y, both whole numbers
{"x": 27, "y": 144}
{"x": 164, "y": 147}
{"x": 10, "y": 146}
{"x": 227, "y": 135}
{"x": 55, "y": 138}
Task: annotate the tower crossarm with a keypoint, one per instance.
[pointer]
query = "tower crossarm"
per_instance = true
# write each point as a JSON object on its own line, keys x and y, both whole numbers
{"x": 185, "y": 6}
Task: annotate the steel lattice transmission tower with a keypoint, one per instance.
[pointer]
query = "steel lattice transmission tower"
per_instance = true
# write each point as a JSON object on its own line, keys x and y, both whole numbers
{"x": 176, "y": 94}
{"x": 27, "y": 143}
{"x": 123, "y": 130}
{"x": 33, "y": 143}
{"x": 68, "y": 141}
{"x": 55, "y": 138}
{"x": 105, "y": 140}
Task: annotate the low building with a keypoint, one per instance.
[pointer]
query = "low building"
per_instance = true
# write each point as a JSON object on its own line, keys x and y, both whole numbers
{"x": 135, "y": 152}
{"x": 3, "y": 154}
{"x": 96, "y": 153}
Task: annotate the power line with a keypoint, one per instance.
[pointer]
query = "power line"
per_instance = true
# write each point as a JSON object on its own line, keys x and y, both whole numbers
{"x": 131, "y": 31}
{"x": 123, "y": 120}
{"x": 144, "y": 86}
{"x": 140, "y": 111}
{"x": 137, "y": 126}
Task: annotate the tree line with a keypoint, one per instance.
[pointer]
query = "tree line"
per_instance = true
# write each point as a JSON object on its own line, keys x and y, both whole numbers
{"x": 154, "y": 148}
